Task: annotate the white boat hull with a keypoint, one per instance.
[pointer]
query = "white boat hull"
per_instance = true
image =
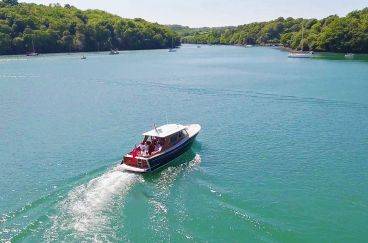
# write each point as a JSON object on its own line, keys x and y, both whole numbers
{"x": 300, "y": 55}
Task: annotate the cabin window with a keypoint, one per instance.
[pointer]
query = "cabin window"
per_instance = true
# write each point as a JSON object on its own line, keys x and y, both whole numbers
{"x": 185, "y": 133}
{"x": 182, "y": 134}
{"x": 173, "y": 139}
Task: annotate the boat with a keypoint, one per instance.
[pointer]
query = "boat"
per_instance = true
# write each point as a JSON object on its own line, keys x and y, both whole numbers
{"x": 349, "y": 55}
{"x": 114, "y": 52}
{"x": 198, "y": 46}
{"x": 302, "y": 53}
{"x": 33, "y": 53}
{"x": 172, "y": 49}
{"x": 83, "y": 57}
{"x": 160, "y": 146}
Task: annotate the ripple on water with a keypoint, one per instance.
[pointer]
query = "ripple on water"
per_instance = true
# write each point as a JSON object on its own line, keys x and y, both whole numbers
{"x": 161, "y": 192}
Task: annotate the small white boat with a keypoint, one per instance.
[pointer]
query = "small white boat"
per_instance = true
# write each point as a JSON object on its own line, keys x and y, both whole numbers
{"x": 160, "y": 146}
{"x": 300, "y": 54}
{"x": 114, "y": 52}
{"x": 172, "y": 49}
{"x": 83, "y": 57}
{"x": 248, "y": 46}
{"x": 33, "y": 53}
{"x": 349, "y": 55}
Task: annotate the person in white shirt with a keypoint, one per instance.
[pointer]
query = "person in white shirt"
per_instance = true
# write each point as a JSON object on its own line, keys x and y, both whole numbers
{"x": 143, "y": 149}
{"x": 158, "y": 148}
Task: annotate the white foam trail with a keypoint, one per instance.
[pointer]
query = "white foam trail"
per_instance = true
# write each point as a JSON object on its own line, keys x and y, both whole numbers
{"x": 161, "y": 191}
{"x": 194, "y": 162}
{"x": 85, "y": 212}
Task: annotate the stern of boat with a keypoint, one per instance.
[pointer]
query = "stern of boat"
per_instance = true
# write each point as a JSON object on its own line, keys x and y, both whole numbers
{"x": 138, "y": 164}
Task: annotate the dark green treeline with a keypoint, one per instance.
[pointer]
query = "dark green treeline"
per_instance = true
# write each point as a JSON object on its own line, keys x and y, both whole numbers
{"x": 56, "y": 28}
{"x": 335, "y": 34}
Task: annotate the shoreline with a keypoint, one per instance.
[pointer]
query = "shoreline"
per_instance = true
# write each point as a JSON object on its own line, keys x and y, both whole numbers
{"x": 84, "y": 52}
{"x": 279, "y": 47}
{"x": 282, "y": 48}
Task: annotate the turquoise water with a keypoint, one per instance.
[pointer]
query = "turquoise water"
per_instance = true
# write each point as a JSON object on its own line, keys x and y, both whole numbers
{"x": 282, "y": 155}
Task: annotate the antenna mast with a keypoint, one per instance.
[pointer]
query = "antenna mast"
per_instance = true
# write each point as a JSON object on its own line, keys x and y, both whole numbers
{"x": 154, "y": 125}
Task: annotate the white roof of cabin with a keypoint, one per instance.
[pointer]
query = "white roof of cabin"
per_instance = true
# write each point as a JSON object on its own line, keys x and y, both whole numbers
{"x": 165, "y": 130}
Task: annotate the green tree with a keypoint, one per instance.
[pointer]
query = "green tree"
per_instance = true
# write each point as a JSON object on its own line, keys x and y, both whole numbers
{"x": 5, "y": 43}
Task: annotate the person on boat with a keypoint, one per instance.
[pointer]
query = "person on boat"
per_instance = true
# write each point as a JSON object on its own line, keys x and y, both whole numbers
{"x": 142, "y": 149}
{"x": 146, "y": 147}
{"x": 158, "y": 147}
{"x": 151, "y": 147}
{"x": 135, "y": 153}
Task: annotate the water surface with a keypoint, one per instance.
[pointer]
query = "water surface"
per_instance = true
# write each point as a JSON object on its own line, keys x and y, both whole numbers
{"x": 281, "y": 156}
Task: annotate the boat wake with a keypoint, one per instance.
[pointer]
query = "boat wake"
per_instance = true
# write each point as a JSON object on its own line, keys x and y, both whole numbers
{"x": 94, "y": 211}
{"x": 86, "y": 211}
{"x": 161, "y": 190}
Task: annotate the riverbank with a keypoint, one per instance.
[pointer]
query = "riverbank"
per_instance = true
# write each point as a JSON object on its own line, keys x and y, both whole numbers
{"x": 281, "y": 48}
{"x": 84, "y": 52}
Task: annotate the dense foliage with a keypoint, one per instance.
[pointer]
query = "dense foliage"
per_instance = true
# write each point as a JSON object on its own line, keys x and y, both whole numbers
{"x": 55, "y": 28}
{"x": 346, "y": 34}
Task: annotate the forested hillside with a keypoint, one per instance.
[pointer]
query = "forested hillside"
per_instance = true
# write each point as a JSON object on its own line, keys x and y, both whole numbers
{"x": 58, "y": 28}
{"x": 337, "y": 34}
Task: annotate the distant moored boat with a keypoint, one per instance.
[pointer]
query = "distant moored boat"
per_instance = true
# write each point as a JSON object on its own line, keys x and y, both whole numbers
{"x": 172, "y": 49}
{"x": 349, "y": 55}
{"x": 301, "y": 54}
{"x": 114, "y": 52}
{"x": 33, "y": 53}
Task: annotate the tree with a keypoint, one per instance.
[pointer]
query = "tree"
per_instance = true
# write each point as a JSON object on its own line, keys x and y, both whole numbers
{"x": 5, "y": 43}
{"x": 67, "y": 41}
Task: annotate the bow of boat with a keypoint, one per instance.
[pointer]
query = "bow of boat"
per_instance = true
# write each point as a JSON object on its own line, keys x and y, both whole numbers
{"x": 193, "y": 129}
